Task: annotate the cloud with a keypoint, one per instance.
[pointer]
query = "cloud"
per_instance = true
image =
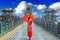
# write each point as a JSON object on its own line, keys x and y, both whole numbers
{"x": 30, "y": 4}
{"x": 34, "y": 13}
{"x": 35, "y": 5}
{"x": 55, "y": 6}
{"x": 41, "y": 7}
{"x": 21, "y": 6}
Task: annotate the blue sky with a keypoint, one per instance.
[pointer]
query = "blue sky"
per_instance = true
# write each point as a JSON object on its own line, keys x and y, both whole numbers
{"x": 14, "y": 3}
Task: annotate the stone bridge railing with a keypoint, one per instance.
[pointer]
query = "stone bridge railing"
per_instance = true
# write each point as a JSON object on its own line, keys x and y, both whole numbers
{"x": 49, "y": 26}
{"x": 9, "y": 23}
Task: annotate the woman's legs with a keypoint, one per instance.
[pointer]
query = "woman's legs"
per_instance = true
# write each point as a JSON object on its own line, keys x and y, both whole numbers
{"x": 29, "y": 38}
{"x": 29, "y": 32}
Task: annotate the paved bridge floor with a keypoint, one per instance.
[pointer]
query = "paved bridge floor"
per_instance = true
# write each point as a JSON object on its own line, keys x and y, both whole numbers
{"x": 21, "y": 33}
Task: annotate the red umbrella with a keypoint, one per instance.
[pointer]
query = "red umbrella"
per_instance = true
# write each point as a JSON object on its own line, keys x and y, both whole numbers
{"x": 25, "y": 18}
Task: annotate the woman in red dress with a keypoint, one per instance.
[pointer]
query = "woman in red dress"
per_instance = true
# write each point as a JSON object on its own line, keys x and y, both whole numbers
{"x": 29, "y": 29}
{"x": 29, "y": 19}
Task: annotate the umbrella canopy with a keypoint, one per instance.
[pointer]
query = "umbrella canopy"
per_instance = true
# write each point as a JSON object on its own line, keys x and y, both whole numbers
{"x": 25, "y": 18}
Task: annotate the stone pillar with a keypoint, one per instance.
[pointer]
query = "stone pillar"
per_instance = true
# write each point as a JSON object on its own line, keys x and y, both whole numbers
{"x": 58, "y": 27}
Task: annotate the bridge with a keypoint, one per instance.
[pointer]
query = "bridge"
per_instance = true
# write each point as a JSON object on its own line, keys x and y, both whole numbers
{"x": 20, "y": 33}
{"x": 44, "y": 28}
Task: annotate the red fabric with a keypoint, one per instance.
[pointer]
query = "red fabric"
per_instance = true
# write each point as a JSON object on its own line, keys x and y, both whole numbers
{"x": 29, "y": 22}
{"x": 29, "y": 32}
{"x": 25, "y": 18}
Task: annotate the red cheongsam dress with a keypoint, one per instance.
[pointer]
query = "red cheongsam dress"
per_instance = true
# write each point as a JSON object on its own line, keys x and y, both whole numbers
{"x": 29, "y": 29}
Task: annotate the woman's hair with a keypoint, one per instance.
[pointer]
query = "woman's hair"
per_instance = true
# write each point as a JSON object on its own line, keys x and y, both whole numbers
{"x": 28, "y": 18}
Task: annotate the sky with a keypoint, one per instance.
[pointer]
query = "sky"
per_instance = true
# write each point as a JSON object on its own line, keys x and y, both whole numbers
{"x": 37, "y": 6}
{"x": 14, "y": 3}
